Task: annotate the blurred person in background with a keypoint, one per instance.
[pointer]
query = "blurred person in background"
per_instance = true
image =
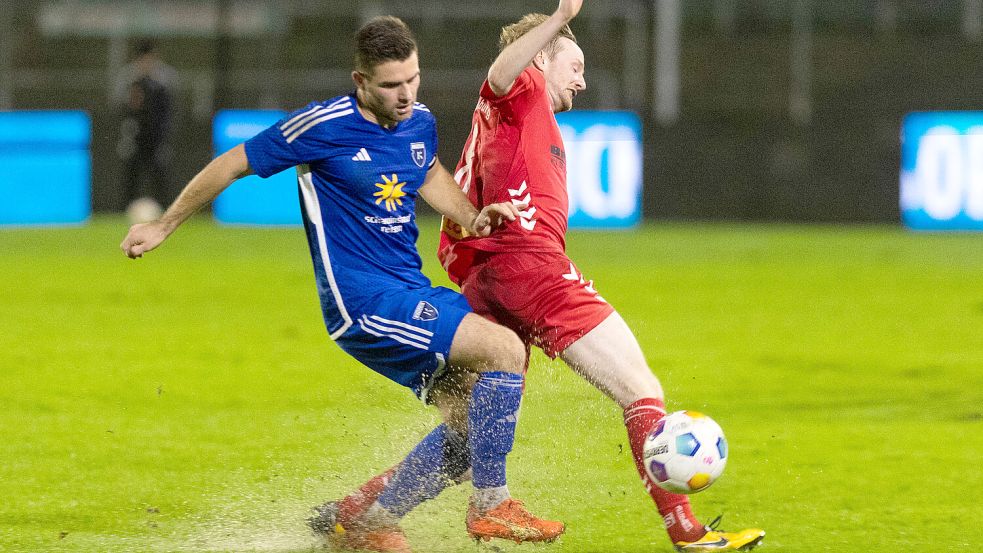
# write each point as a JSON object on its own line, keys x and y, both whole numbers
{"x": 144, "y": 94}
{"x": 521, "y": 277}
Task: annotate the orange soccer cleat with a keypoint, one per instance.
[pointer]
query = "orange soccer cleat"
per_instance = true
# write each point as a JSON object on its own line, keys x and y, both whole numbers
{"x": 511, "y": 521}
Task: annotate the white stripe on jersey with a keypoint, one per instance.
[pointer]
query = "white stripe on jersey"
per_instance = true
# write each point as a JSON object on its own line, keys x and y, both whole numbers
{"x": 293, "y": 124}
{"x": 363, "y": 323}
{"x": 393, "y": 331}
{"x": 299, "y": 116}
{"x": 421, "y": 107}
{"x": 314, "y": 213}
{"x": 321, "y": 119}
{"x": 338, "y": 101}
{"x": 423, "y": 331}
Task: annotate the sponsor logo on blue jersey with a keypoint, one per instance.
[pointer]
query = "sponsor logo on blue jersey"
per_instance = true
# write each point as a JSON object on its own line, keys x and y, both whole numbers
{"x": 391, "y": 192}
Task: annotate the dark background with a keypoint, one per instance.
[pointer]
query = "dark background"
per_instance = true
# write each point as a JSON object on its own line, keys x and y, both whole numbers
{"x": 735, "y": 152}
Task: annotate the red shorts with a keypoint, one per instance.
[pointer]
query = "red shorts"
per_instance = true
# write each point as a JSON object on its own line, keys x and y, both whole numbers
{"x": 541, "y": 296}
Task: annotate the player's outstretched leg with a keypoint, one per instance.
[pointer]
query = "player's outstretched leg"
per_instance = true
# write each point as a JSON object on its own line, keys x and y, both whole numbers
{"x": 610, "y": 358}
{"x": 683, "y": 528}
{"x": 686, "y": 533}
{"x": 640, "y": 418}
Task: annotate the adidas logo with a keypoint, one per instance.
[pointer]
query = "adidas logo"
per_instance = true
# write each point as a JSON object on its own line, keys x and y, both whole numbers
{"x": 362, "y": 155}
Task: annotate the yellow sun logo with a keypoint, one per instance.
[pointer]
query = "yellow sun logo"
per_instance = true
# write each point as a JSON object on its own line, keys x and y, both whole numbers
{"x": 391, "y": 192}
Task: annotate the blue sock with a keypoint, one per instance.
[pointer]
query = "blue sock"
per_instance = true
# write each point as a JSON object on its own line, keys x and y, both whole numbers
{"x": 491, "y": 425}
{"x": 433, "y": 464}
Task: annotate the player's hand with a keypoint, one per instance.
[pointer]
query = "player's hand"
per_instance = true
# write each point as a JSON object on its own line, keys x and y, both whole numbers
{"x": 494, "y": 215}
{"x": 144, "y": 237}
{"x": 568, "y": 9}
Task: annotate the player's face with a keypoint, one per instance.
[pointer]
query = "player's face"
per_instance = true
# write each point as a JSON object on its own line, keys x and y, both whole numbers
{"x": 386, "y": 93}
{"x": 564, "y": 75}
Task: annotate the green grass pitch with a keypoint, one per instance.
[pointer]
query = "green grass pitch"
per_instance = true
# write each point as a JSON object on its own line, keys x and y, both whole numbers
{"x": 191, "y": 401}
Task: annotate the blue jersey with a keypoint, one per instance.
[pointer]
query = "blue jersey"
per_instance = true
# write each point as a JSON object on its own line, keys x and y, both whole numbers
{"x": 358, "y": 185}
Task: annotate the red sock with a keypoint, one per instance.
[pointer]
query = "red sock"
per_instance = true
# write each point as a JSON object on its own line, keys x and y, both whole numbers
{"x": 640, "y": 418}
{"x": 356, "y": 503}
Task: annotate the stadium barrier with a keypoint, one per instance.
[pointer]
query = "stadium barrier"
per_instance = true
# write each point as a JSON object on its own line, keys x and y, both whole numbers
{"x": 46, "y": 177}
{"x": 603, "y": 157}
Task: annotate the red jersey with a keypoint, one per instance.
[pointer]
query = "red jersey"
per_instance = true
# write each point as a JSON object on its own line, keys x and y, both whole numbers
{"x": 514, "y": 154}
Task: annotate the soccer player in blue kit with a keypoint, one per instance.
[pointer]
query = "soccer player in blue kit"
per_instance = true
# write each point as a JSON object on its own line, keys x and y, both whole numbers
{"x": 362, "y": 159}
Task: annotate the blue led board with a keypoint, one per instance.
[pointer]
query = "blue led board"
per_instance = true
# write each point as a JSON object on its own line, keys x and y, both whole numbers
{"x": 604, "y": 168}
{"x": 942, "y": 171}
{"x": 604, "y": 171}
{"x": 252, "y": 200}
{"x": 45, "y": 167}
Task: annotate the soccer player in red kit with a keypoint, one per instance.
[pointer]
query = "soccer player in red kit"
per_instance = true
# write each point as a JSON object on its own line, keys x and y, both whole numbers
{"x": 521, "y": 277}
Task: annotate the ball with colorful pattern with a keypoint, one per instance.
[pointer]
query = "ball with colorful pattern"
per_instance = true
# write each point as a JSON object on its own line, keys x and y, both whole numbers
{"x": 685, "y": 452}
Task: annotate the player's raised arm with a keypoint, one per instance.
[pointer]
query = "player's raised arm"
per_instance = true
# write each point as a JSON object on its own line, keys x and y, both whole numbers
{"x": 203, "y": 188}
{"x": 516, "y": 56}
{"x": 443, "y": 194}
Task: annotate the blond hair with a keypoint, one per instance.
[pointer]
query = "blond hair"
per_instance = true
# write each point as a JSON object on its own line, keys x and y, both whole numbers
{"x": 511, "y": 33}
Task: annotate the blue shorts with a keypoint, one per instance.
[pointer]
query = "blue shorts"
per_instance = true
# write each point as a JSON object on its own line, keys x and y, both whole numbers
{"x": 405, "y": 335}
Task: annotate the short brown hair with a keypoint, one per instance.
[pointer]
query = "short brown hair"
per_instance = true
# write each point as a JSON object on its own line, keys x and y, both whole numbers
{"x": 511, "y": 33}
{"x": 384, "y": 38}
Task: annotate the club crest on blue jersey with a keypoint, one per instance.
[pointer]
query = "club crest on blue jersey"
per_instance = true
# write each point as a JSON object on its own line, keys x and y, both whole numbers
{"x": 425, "y": 312}
{"x": 419, "y": 152}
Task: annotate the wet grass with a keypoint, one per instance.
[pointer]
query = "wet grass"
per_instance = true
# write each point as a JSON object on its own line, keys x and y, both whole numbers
{"x": 191, "y": 400}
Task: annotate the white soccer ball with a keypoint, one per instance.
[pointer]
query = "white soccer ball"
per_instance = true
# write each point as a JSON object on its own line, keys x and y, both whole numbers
{"x": 685, "y": 452}
{"x": 143, "y": 210}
